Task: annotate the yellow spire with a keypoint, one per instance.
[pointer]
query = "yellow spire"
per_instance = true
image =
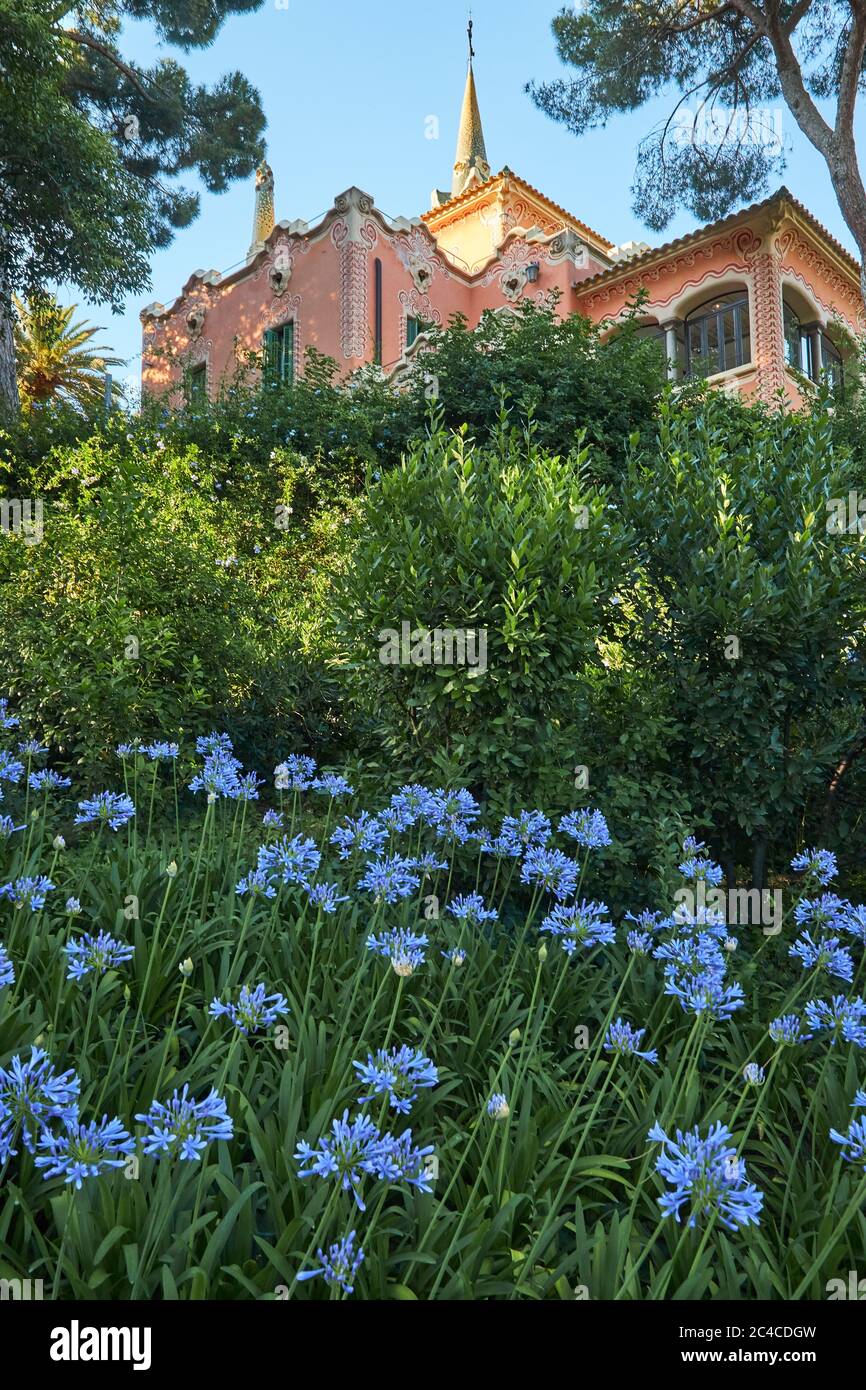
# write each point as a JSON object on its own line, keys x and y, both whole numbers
{"x": 471, "y": 159}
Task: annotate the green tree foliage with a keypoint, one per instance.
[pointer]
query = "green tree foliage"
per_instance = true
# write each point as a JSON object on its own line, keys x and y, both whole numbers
{"x": 728, "y": 63}
{"x": 92, "y": 145}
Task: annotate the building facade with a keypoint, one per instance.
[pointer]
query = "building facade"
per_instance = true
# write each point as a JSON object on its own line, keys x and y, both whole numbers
{"x": 760, "y": 302}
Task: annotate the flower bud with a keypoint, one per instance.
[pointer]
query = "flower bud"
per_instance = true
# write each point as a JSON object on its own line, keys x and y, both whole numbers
{"x": 186, "y": 967}
{"x": 58, "y": 842}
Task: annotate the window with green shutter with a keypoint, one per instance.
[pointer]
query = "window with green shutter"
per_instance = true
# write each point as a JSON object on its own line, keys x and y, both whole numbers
{"x": 196, "y": 384}
{"x": 279, "y": 353}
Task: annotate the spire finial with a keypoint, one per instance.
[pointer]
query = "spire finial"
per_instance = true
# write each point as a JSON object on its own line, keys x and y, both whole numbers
{"x": 470, "y": 32}
{"x": 471, "y": 161}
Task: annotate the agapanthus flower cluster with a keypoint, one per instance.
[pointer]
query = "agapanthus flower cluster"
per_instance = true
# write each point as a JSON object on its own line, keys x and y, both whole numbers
{"x": 588, "y": 828}
{"x": 855, "y": 923}
{"x": 584, "y": 924}
{"x": 826, "y": 913}
{"x": 290, "y": 861}
{"x": 452, "y": 814}
{"x": 113, "y": 809}
{"x": 8, "y": 827}
{"x": 550, "y": 870}
{"x": 698, "y": 869}
{"x": 160, "y": 752}
{"x": 639, "y": 942}
{"x": 28, "y": 892}
{"x": 826, "y": 954}
{"x": 254, "y": 1011}
{"x": 753, "y": 1074}
{"x": 853, "y": 1142}
{"x": 390, "y": 879}
{"x": 183, "y": 1127}
{"x": 11, "y": 768}
{"x": 273, "y": 820}
{"x": 257, "y": 882}
{"x": 80, "y": 1151}
{"x": 707, "y": 1176}
{"x": 220, "y": 775}
{"x": 7, "y": 969}
{"x": 841, "y": 1018}
{"x": 788, "y": 1030}
{"x": 405, "y": 949}
{"x": 526, "y": 830}
{"x": 339, "y": 1266}
{"x": 706, "y": 994}
{"x": 624, "y": 1040}
{"x": 332, "y": 785}
{"x": 326, "y": 897}
{"x": 47, "y": 780}
{"x": 7, "y": 720}
{"x": 357, "y": 1150}
{"x": 364, "y": 835}
{"x": 95, "y": 954}
{"x": 247, "y": 787}
{"x": 469, "y": 907}
{"x": 498, "y": 1107}
{"x": 295, "y": 774}
{"x": 411, "y": 804}
{"x": 399, "y": 1073}
{"x": 31, "y": 748}
{"x": 32, "y": 1094}
{"x": 819, "y": 864}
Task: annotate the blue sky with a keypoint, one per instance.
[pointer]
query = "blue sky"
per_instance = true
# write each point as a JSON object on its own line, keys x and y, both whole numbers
{"x": 348, "y": 89}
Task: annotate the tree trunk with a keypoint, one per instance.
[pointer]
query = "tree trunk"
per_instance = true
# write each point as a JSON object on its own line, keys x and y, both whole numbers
{"x": 760, "y": 845}
{"x": 9, "y": 399}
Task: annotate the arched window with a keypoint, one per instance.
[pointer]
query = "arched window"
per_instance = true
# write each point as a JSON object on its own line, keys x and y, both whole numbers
{"x": 718, "y": 335}
{"x": 797, "y": 347}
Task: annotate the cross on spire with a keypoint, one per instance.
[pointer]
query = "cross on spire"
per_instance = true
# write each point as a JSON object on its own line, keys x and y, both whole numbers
{"x": 470, "y": 31}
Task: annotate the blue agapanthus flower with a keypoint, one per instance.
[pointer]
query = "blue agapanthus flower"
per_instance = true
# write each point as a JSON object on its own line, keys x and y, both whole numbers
{"x": 588, "y": 828}
{"x": 11, "y": 768}
{"x": 429, "y": 863}
{"x": 469, "y": 907}
{"x": 295, "y": 774}
{"x": 859, "y": 1101}
{"x": 855, "y": 922}
{"x": 400, "y": 1160}
{"x": 333, "y": 785}
{"x": 258, "y": 883}
{"x": 7, "y": 969}
{"x": 841, "y": 1018}
{"x": 640, "y": 942}
{"x": 47, "y": 780}
{"x": 390, "y": 879}
{"x": 73, "y": 907}
{"x": 697, "y": 869}
{"x": 32, "y": 1093}
{"x": 247, "y": 787}
{"x": 411, "y": 804}
{"x": 707, "y": 1176}
{"x": 399, "y": 1073}
{"x": 161, "y": 752}
{"x": 826, "y": 954}
{"x": 706, "y": 994}
{"x": 455, "y": 955}
{"x": 113, "y": 809}
{"x": 326, "y": 897}
{"x": 8, "y": 827}
{"x": 498, "y": 1107}
{"x": 645, "y": 921}
{"x": 519, "y": 833}
{"x": 692, "y": 955}
{"x": 95, "y": 954}
{"x": 624, "y": 1040}
{"x": 339, "y": 1266}
{"x": 273, "y": 820}
{"x": 290, "y": 861}
{"x": 452, "y": 814}
{"x": 28, "y": 892}
{"x": 7, "y": 720}
{"x": 584, "y": 924}
{"x": 254, "y": 1011}
{"x": 209, "y": 744}
{"x": 819, "y": 864}
{"x": 363, "y": 834}
{"x": 31, "y": 748}
{"x": 828, "y": 911}
{"x": 82, "y": 1151}
{"x": 126, "y": 750}
{"x": 788, "y": 1030}
{"x": 852, "y": 1144}
{"x": 753, "y": 1074}
{"x": 349, "y": 1153}
{"x": 703, "y": 920}
{"x": 405, "y": 949}
{"x": 550, "y": 870}
{"x": 183, "y": 1127}
{"x": 219, "y": 776}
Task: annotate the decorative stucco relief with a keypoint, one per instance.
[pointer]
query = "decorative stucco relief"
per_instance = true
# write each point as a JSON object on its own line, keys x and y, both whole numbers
{"x": 354, "y": 235}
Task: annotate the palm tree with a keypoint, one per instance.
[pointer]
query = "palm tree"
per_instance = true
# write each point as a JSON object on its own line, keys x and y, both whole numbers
{"x": 55, "y": 361}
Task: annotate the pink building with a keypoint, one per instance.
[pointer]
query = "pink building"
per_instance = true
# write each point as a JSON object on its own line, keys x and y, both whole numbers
{"x": 759, "y": 302}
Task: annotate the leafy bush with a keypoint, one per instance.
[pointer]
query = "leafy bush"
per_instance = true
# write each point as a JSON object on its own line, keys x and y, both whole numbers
{"x": 507, "y": 542}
